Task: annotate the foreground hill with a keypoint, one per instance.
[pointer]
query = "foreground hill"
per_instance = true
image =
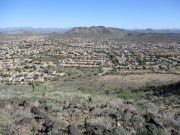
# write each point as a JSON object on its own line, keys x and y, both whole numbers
{"x": 96, "y": 105}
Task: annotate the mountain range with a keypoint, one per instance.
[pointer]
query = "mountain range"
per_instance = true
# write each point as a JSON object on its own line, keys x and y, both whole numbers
{"x": 95, "y": 29}
{"x": 20, "y": 30}
{"x": 98, "y": 32}
{"x": 101, "y": 32}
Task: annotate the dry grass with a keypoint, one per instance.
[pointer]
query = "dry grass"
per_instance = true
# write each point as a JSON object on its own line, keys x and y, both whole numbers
{"x": 140, "y": 79}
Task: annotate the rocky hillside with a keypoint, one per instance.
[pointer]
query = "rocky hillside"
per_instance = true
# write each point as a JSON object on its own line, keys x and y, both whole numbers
{"x": 63, "y": 113}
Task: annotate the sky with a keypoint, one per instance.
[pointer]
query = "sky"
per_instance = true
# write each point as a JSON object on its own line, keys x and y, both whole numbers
{"x": 128, "y": 14}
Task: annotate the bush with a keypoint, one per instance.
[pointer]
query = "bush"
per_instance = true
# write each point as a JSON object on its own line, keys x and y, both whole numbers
{"x": 119, "y": 131}
{"x": 46, "y": 71}
{"x": 76, "y": 98}
{"x": 35, "y": 77}
{"x": 18, "y": 69}
{"x": 55, "y": 79}
{"x": 159, "y": 131}
{"x": 129, "y": 94}
{"x": 141, "y": 131}
{"x": 90, "y": 90}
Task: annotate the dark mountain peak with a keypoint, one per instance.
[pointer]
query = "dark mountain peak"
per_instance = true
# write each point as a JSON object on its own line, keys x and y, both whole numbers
{"x": 90, "y": 30}
{"x": 96, "y": 31}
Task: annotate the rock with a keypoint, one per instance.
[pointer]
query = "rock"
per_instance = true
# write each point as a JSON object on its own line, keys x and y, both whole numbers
{"x": 60, "y": 133}
{"x": 177, "y": 117}
{"x": 47, "y": 127}
{"x": 149, "y": 127}
{"x": 35, "y": 110}
{"x": 73, "y": 130}
{"x": 2, "y": 103}
{"x": 91, "y": 109}
{"x": 89, "y": 99}
{"x": 113, "y": 116}
{"x": 151, "y": 119}
{"x": 99, "y": 125}
{"x": 38, "y": 114}
{"x": 119, "y": 124}
{"x": 24, "y": 104}
{"x": 174, "y": 132}
{"x": 55, "y": 129}
{"x": 7, "y": 132}
{"x": 38, "y": 117}
{"x": 94, "y": 130}
{"x": 24, "y": 121}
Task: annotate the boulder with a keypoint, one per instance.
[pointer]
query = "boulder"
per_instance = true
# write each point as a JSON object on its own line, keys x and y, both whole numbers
{"x": 24, "y": 121}
{"x": 152, "y": 119}
{"x": 47, "y": 127}
{"x": 73, "y": 130}
{"x": 2, "y": 103}
{"x": 35, "y": 110}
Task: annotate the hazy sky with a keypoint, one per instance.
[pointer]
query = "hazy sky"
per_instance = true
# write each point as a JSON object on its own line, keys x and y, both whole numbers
{"x": 70, "y": 13}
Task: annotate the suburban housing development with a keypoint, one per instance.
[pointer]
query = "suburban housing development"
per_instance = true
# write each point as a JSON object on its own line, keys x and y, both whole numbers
{"x": 27, "y": 60}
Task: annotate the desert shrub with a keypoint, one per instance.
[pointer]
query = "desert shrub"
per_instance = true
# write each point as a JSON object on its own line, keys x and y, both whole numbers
{"x": 6, "y": 75}
{"x": 35, "y": 77}
{"x": 89, "y": 74}
{"x": 138, "y": 119}
{"x": 130, "y": 94}
{"x": 32, "y": 133}
{"x": 73, "y": 77}
{"x": 18, "y": 69}
{"x": 141, "y": 130}
{"x": 45, "y": 71}
{"x": 126, "y": 117}
{"x": 30, "y": 83}
{"x": 119, "y": 131}
{"x": 90, "y": 90}
{"x": 67, "y": 79}
{"x": 27, "y": 67}
{"x": 79, "y": 76}
{"x": 102, "y": 123}
{"x": 159, "y": 131}
{"x": 34, "y": 67}
{"x": 48, "y": 105}
{"x": 76, "y": 98}
{"x": 141, "y": 61}
{"x": 55, "y": 79}
{"x": 33, "y": 98}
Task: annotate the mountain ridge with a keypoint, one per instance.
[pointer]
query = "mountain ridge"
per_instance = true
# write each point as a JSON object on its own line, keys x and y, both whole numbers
{"x": 96, "y": 32}
{"x": 19, "y": 30}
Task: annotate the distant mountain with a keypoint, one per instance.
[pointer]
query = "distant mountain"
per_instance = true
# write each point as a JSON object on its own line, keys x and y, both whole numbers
{"x": 156, "y": 30}
{"x": 20, "y": 30}
{"x": 89, "y": 30}
{"x": 101, "y": 32}
{"x": 95, "y": 32}
{"x": 86, "y": 31}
